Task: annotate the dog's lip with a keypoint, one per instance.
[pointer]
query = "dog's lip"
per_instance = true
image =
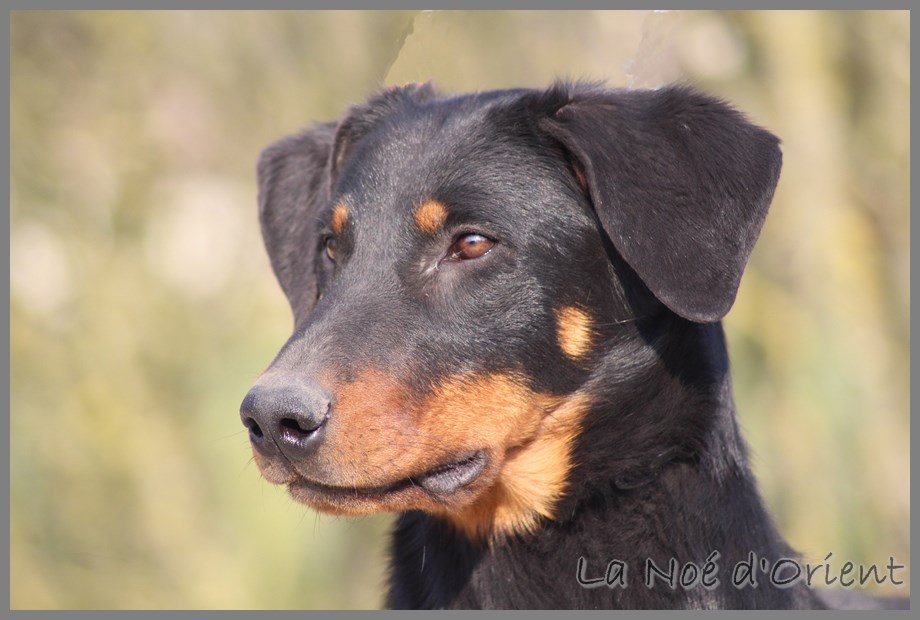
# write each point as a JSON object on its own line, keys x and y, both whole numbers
{"x": 448, "y": 478}
{"x": 442, "y": 480}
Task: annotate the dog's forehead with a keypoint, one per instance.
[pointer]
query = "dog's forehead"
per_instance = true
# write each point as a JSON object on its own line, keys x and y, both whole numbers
{"x": 444, "y": 153}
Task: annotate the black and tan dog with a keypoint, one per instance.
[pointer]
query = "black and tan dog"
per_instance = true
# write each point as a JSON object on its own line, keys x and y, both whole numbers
{"x": 507, "y": 313}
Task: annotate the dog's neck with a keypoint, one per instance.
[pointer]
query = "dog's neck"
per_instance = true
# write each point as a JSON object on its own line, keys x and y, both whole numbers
{"x": 661, "y": 473}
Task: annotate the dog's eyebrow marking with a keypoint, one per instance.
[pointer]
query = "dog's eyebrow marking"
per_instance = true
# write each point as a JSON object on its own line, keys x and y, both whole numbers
{"x": 339, "y": 217}
{"x": 574, "y": 331}
{"x": 430, "y": 216}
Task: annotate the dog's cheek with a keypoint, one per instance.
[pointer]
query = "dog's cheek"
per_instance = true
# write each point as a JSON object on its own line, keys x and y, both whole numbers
{"x": 370, "y": 438}
{"x": 382, "y": 430}
{"x": 532, "y": 477}
{"x": 476, "y": 411}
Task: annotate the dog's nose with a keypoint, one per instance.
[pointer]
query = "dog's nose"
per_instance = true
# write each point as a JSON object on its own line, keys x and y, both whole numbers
{"x": 286, "y": 415}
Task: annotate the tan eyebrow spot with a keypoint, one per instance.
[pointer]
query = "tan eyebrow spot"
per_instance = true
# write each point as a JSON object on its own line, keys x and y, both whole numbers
{"x": 574, "y": 331}
{"x": 339, "y": 217}
{"x": 430, "y": 216}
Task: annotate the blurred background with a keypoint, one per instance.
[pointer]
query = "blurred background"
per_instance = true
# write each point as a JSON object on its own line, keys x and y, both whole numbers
{"x": 143, "y": 306}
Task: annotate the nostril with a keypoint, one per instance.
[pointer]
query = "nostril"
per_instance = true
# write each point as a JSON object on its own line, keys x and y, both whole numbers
{"x": 255, "y": 431}
{"x": 295, "y": 430}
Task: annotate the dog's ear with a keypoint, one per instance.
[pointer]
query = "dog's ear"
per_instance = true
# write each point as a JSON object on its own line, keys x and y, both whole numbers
{"x": 293, "y": 185}
{"x": 296, "y": 178}
{"x": 680, "y": 181}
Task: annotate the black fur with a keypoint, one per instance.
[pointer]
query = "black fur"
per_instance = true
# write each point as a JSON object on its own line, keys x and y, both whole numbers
{"x": 681, "y": 184}
{"x": 640, "y": 206}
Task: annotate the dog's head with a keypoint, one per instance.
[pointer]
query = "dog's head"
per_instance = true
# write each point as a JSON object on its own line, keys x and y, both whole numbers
{"x": 463, "y": 270}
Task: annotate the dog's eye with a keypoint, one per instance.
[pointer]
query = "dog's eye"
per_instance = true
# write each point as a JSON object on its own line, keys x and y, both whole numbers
{"x": 469, "y": 246}
{"x": 329, "y": 243}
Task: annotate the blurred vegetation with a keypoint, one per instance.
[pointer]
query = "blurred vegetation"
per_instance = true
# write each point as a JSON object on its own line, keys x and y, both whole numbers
{"x": 142, "y": 303}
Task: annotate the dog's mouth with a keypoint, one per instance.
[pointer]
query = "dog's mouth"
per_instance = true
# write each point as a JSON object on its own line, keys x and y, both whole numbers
{"x": 437, "y": 485}
{"x": 447, "y": 478}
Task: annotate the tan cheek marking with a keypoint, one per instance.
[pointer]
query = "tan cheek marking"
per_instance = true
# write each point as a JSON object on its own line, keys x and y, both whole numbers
{"x": 490, "y": 409}
{"x": 382, "y": 431}
{"x": 382, "y": 428}
{"x": 339, "y": 217}
{"x": 532, "y": 480}
{"x": 574, "y": 331}
{"x": 430, "y": 216}
{"x": 371, "y": 440}
{"x": 385, "y": 432}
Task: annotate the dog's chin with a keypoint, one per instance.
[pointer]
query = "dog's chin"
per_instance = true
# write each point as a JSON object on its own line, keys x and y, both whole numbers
{"x": 448, "y": 486}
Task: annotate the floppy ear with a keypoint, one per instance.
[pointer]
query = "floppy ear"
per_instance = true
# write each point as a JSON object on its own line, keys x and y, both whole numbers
{"x": 293, "y": 186}
{"x": 296, "y": 177}
{"x": 681, "y": 184}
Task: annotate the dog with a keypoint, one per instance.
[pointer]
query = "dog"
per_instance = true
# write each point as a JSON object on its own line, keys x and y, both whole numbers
{"x": 507, "y": 313}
